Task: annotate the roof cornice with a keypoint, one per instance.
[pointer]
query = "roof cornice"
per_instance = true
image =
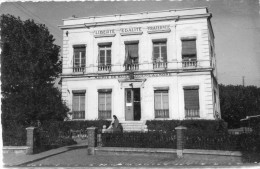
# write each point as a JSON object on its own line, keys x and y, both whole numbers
{"x": 118, "y": 22}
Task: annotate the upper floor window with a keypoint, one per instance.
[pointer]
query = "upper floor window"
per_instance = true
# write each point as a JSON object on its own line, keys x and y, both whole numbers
{"x": 131, "y": 56}
{"x": 104, "y": 51}
{"x": 160, "y": 54}
{"x": 191, "y": 101}
{"x": 78, "y": 104}
{"x": 189, "y": 52}
{"x": 79, "y": 60}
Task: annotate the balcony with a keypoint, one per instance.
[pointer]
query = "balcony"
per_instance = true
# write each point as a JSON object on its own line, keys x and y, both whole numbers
{"x": 104, "y": 68}
{"x": 189, "y": 113}
{"x": 189, "y": 63}
{"x": 132, "y": 67}
{"x": 104, "y": 114}
{"x": 159, "y": 65}
{"x": 78, "y": 115}
{"x": 79, "y": 69}
{"x": 162, "y": 113}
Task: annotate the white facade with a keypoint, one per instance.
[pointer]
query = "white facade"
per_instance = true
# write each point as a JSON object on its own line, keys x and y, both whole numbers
{"x": 173, "y": 76}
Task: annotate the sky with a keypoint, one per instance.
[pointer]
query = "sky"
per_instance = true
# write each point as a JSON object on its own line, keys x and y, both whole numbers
{"x": 236, "y": 25}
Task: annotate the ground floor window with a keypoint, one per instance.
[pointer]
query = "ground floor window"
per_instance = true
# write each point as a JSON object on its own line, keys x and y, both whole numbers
{"x": 191, "y": 100}
{"x": 104, "y": 103}
{"x": 78, "y": 104}
{"x": 161, "y": 104}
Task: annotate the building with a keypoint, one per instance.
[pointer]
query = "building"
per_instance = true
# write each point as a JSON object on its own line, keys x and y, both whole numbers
{"x": 141, "y": 66}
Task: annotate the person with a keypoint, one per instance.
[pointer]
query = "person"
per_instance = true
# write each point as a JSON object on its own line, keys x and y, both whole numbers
{"x": 114, "y": 126}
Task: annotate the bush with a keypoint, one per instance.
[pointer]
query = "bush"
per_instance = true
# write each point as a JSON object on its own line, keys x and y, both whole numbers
{"x": 140, "y": 140}
{"x": 13, "y": 134}
{"x": 194, "y": 125}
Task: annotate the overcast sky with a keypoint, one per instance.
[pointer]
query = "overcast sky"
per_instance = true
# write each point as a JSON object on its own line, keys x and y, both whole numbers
{"x": 236, "y": 24}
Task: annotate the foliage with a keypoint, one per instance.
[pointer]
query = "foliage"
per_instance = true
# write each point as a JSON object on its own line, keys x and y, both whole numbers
{"x": 30, "y": 65}
{"x": 197, "y": 125}
{"x": 222, "y": 141}
{"x": 13, "y": 134}
{"x": 237, "y": 102}
{"x": 252, "y": 122}
{"x": 142, "y": 140}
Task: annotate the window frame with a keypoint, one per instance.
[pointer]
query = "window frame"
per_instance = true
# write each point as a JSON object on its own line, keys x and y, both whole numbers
{"x": 105, "y": 91}
{"x": 79, "y": 94}
{"x": 161, "y": 91}
{"x": 196, "y": 112}
{"x": 104, "y": 47}
{"x": 160, "y": 44}
{"x": 189, "y": 57}
{"x": 81, "y": 57}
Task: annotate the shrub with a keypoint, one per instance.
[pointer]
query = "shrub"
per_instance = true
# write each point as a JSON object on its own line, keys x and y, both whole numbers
{"x": 194, "y": 125}
{"x": 142, "y": 140}
{"x": 13, "y": 134}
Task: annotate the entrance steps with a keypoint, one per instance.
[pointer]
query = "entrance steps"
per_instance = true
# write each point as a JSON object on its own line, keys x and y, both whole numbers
{"x": 134, "y": 126}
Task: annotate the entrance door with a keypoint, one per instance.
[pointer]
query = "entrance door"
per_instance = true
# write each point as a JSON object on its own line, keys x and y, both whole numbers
{"x": 132, "y": 104}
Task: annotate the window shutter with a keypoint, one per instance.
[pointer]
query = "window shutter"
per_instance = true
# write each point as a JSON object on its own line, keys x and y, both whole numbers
{"x": 75, "y": 103}
{"x": 108, "y": 57}
{"x": 189, "y": 47}
{"x": 165, "y": 100}
{"x": 108, "y": 101}
{"x": 101, "y": 101}
{"x": 157, "y": 100}
{"x": 82, "y": 103}
{"x": 132, "y": 50}
{"x": 191, "y": 98}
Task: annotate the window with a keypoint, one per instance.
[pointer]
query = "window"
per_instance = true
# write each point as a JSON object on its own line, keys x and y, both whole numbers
{"x": 161, "y": 104}
{"x": 160, "y": 54}
{"x": 131, "y": 56}
{"x": 104, "y": 63}
{"x": 191, "y": 99}
{"x": 78, "y": 105}
{"x": 189, "y": 53}
{"x": 104, "y": 103}
{"x": 79, "y": 62}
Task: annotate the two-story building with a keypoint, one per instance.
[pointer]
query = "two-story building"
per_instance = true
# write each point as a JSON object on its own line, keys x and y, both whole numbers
{"x": 141, "y": 66}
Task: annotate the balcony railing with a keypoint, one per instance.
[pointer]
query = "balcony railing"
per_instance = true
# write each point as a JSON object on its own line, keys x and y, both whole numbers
{"x": 79, "y": 69}
{"x": 132, "y": 67}
{"x": 158, "y": 65}
{"x": 162, "y": 113}
{"x": 104, "y": 68}
{"x": 104, "y": 114}
{"x": 189, "y": 63}
{"x": 78, "y": 115}
{"x": 192, "y": 113}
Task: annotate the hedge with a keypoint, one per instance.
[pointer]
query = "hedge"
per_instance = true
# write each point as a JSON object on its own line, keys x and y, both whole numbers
{"x": 140, "y": 140}
{"x": 197, "y": 125}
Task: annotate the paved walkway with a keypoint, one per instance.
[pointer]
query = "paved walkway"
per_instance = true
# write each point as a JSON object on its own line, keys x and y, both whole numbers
{"x": 77, "y": 157}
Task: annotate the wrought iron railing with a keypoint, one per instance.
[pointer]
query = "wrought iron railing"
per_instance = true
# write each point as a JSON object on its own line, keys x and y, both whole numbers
{"x": 104, "y": 114}
{"x": 189, "y": 63}
{"x": 104, "y": 68}
{"x": 158, "y": 65}
{"x": 78, "y": 115}
{"x": 162, "y": 113}
{"x": 134, "y": 66}
{"x": 192, "y": 113}
{"x": 79, "y": 69}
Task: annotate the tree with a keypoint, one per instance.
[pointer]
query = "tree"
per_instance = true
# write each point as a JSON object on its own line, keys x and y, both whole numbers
{"x": 30, "y": 65}
{"x": 237, "y": 102}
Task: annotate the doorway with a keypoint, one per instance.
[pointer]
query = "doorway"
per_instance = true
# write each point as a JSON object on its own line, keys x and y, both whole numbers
{"x": 132, "y": 104}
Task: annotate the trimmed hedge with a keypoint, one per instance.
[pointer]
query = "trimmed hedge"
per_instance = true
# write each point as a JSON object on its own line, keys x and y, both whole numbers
{"x": 195, "y": 125}
{"x": 140, "y": 140}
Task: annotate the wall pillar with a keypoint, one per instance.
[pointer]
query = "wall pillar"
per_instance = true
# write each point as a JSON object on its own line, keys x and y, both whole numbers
{"x": 31, "y": 138}
{"x": 92, "y": 140}
{"x": 180, "y": 140}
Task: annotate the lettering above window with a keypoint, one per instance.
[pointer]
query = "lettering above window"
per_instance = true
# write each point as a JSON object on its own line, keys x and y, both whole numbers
{"x": 131, "y": 31}
{"x": 158, "y": 29}
{"x": 104, "y": 33}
